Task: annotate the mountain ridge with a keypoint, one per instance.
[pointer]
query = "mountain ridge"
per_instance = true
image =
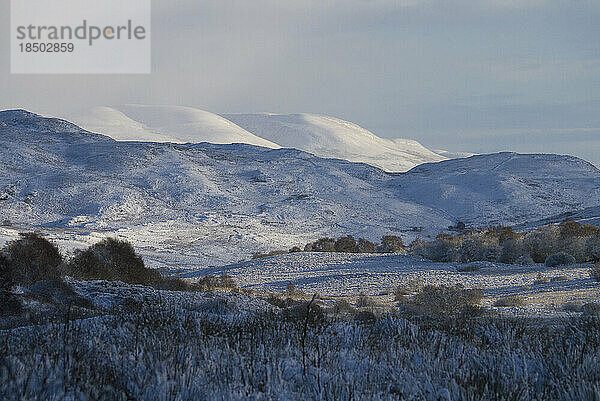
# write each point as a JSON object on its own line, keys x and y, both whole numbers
{"x": 209, "y": 204}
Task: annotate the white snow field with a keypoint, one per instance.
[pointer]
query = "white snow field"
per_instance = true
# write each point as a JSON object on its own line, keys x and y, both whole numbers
{"x": 191, "y": 205}
{"x": 176, "y": 124}
{"x": 334, "y": 138}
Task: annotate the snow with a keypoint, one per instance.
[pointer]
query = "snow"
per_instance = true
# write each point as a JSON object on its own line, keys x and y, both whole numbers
{"x": 331, "y": 137}
{"x": 175, "y": 124}
{"x": 320, "y": 135}
{"x": 189, "y": 205}
{"x": 348, "y": 275}
{"x": 453, "y": 155}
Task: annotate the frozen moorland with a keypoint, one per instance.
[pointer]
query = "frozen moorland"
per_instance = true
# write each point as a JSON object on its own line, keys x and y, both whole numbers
{"x": 544, "y": 290}
{"x": 145, "y": 344}
{"x": 385, "y": 327}
{"x": 190, "y": 205}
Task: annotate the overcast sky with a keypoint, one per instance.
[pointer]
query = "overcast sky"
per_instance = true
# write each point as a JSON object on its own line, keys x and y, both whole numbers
{"x": 479, "y": 76}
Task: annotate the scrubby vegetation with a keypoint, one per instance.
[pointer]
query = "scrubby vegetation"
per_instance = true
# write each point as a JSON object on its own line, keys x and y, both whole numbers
{"x": 441, "y": 300}
{"x": 346, "y": 244}
{"x": 556, "y": 245}
{"x": 211, "y": 283}
{"x": 595, "y": 272}
{"x": 114, "y": 259}
{"x": 190, "y": 346}
{"x": 37, "y": 265}
{"x": 111, "y": 259}
{"x": 33, "y": 258}
{"x": 563, "y": 244}
{"x": 510, "y": 301}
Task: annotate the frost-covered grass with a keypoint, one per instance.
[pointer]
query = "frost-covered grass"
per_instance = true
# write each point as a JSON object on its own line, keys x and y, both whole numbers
{"x": 193, "y": 346}
{"x": 348, "y": 275}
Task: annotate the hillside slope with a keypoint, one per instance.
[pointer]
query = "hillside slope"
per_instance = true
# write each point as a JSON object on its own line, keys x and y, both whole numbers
{"x": 199, "y": 204}
{"x": 503, "y": 188}
{"x": 331, "y": 137}
{"x": 165, "y": 124}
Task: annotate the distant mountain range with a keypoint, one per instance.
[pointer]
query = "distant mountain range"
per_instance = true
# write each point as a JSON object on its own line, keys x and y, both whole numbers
{"x": 320, "y": 135}
{"x": 200, "y": 204}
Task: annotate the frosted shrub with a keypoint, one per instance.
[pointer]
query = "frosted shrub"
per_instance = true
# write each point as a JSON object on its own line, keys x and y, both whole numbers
{"x": 595, "y": 272}
{"x": 559, "y": 259}
{"x": 365, "y": 246}
{"x": 445, "y": 248}
{"x": 33, "y": 258}
{"x": 246, "y": 351}
{"x": 511, "y": 301}
{"x": 346, "y": 244}
{"x": 446, "y": 300}
{"x": 524, "y": 260}
{"x": 391, "y": 244}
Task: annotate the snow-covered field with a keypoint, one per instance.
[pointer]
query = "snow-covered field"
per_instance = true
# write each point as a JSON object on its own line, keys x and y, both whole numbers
{"x": 348, "y": 275}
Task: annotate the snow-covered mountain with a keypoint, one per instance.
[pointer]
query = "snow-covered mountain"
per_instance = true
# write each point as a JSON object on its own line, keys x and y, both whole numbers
{"x": 174, "y": 124}
{"x": 331, "y": 137}
{"x": 198, "y": 204}
{"x": 504, "y": 188}
{"x": 320, "y": 135}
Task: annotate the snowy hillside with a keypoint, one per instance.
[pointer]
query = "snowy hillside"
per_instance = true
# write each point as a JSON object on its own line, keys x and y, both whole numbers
{"x": 206, "y": 204}
{"x": 165, "y": 124}
{"x": 331, "y": 137}
{"x": 202, "y": 203}
{"x": 503, "y": 188}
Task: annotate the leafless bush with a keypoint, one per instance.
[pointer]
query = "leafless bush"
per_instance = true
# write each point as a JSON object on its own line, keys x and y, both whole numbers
{"x": 210, "y": 283}
{"x": 365, "y": 301}
{"x": 510, "y": 301}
